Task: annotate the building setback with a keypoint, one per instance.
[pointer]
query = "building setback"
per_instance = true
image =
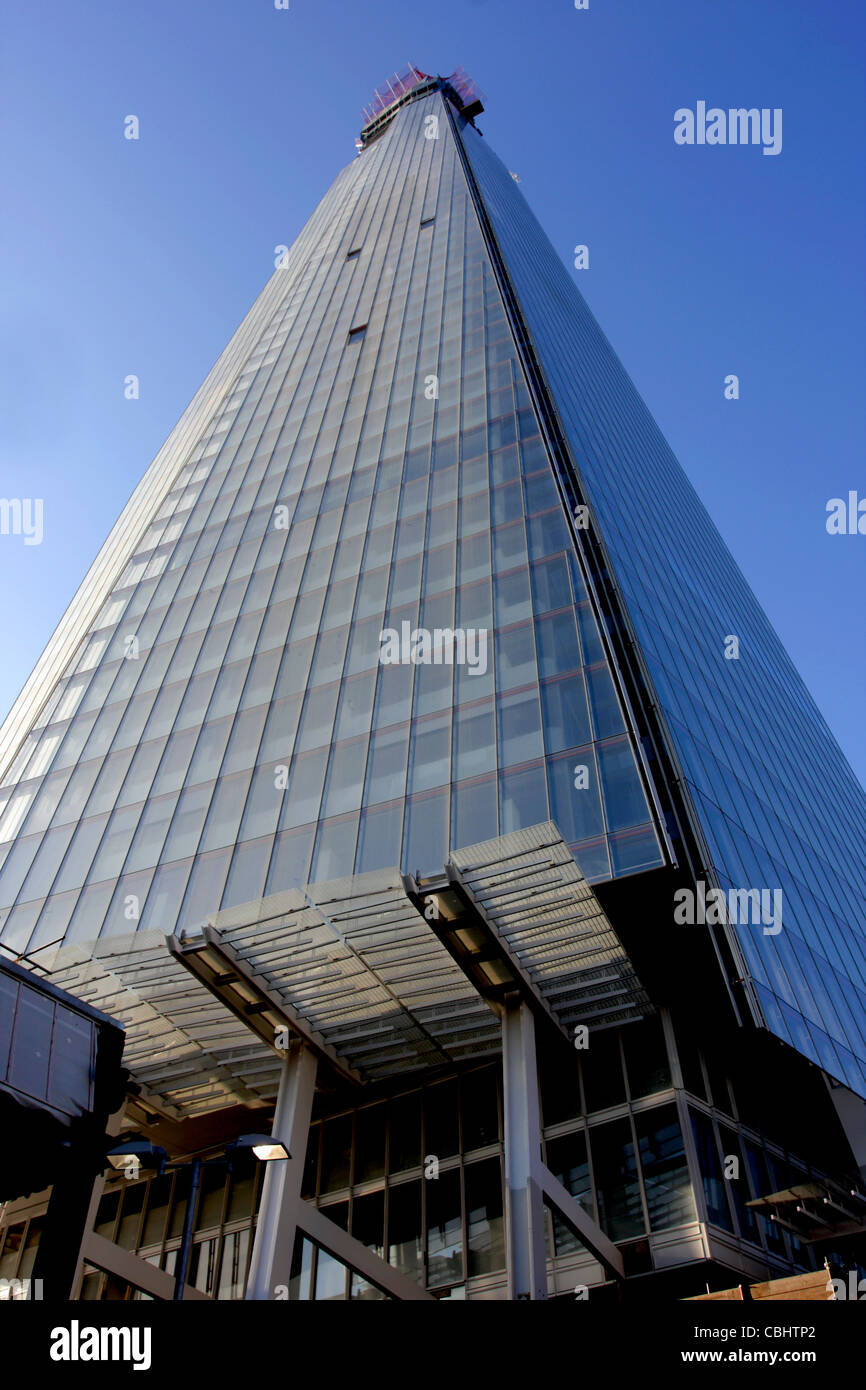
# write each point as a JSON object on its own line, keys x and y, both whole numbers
{"x": 371, "y": 776}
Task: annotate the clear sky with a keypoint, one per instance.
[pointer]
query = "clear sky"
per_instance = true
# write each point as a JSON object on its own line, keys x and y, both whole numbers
{"x": 142, "y": 256}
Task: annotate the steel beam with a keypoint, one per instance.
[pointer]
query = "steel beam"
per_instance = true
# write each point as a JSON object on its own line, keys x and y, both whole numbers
{"x": 314, "y": 1223}
{"x": 580, "y": 1222}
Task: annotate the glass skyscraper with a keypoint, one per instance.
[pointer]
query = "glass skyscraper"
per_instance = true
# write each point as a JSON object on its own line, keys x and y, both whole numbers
{"x": 417, "y": 572}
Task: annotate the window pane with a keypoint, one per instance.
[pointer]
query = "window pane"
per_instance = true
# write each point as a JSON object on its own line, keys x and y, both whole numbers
{"x": 603, "y": 1082}
{"x": 484, "y": 1222}
{"x": 479, "y": 1108}
{"x": 566, "y": 714}
{"x": 431, "y": 753}
{"x": 404, "y": 1133}
{"x": 624, "y": 801}
{"x": 519, "y": 728}
{"x": 404, "y": 1229}
{"x": 711, "y": 1172}
{"x": 441, "y": 1129}
{"x": 669, "y": 1197}
{"x": 738, "y": 1183}
{"x": 426, "y": 835}
{"x": 617, "y": 1188}
{"x": 336, "y": 1153}
{"x": 370, "y": 1143}
{"x": 646, "y": 1060}
{"x": 444, "y": 1230}
{"x": 574, "y": 799}
{"x": 474, "y": 812}
{"x": 522, "y": 798}
{"x": 567, "y": 1160}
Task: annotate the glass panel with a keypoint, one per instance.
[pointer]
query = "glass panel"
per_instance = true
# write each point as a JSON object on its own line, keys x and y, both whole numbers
{"x": 711, "y": 1172}
{"x": 368, "y": 1221}
{"x": 522, "y": 799}
{"x": 156, "y": 1213}
{"x": 404, "y": 1229}
{"x": 130, "y": 1215}
{"x": 603, "y": 1082}
{"x": 484, "y": 1219}
{"x": 519, "y": 728}
{"x": 404, "y": 1133}
{"x": 331, "y": 1278}
{"x": 426, "y": 834}
{"x": 736, "y": 1175}
{"x": 202, "y": 1265}
{"x": 211, "y": 1197}
{"x": 370, "y": 1143}
{"x": 300, "y": 1283}
{"x": 646, "y": 1061}
{"x": 31, "y": 1048}
{"x": 624, "y": 801}
{"x": 441, "y": 1128}
{"x": 233, "y": 1265}
{"x": 614, "y": 1168}
{"x": 479, "y": 1108}
{"x": 444, "y": 1229}
{"x": 336, "y": 1153}
{"x": 669, "y": 1196}
{"x": 567, "y": 1160}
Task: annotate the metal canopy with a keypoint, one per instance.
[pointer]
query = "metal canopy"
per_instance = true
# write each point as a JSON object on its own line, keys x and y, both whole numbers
{"x": 534, "y": 900}
{"x": 363, "y": 971}
{"x": 359, "y": 973}
{"x": 188, "y": 1054}
{"x": 816, "y": 1211}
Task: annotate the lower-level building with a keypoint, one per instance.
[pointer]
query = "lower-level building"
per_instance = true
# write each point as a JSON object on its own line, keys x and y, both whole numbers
{"x": 479, "y": 1096}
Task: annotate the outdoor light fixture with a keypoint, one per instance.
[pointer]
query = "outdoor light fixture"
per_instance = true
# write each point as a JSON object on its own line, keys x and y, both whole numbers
{"x": 265, "y": 1147}
{"x": 137, "y": 1149}
{"x": 137, "y": 1152}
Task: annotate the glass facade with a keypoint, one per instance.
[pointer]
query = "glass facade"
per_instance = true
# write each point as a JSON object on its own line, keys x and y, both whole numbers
{"x": 417, "y": 1177}
{"x": 357, "y": 630}
{"x": 227, "y": 728}
{"x": 777, "y": 803}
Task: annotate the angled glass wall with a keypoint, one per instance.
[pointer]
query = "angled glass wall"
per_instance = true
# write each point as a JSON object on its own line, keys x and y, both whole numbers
{"x": 777, "y": 802}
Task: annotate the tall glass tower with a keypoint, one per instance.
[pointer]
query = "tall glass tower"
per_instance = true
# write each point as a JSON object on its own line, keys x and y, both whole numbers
{"x": 416, "y": 575}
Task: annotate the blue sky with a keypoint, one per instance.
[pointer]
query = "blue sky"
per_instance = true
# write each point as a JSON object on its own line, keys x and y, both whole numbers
{"x": 142, "y": 257}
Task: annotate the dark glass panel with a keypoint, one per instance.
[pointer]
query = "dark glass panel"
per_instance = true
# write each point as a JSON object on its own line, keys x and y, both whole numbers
{"x": 711, "y": 1172}
{"x": 336, "y": 1153}
{"x": 369, "y": 1143}
{"x": 567, "y": 1161}
{"x": 603, "y": 1082}
{"x": 405, "y": 1230}
{"x": 444, "y": 1229}
{"x": 614, "y": 1167}
{"x": 669, "y": 1197}
{"x": 479, "y": 1108}
{"x": 646, "y": 1059}
{"x": 404, "y": 1133}
{"x": 484, "y": 1220}
{"x": 441, "y": 1127}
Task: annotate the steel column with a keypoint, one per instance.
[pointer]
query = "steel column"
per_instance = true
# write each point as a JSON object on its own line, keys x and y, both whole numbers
{"x": 277, "y": 1219}
{"x": 524, "y": 1218}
